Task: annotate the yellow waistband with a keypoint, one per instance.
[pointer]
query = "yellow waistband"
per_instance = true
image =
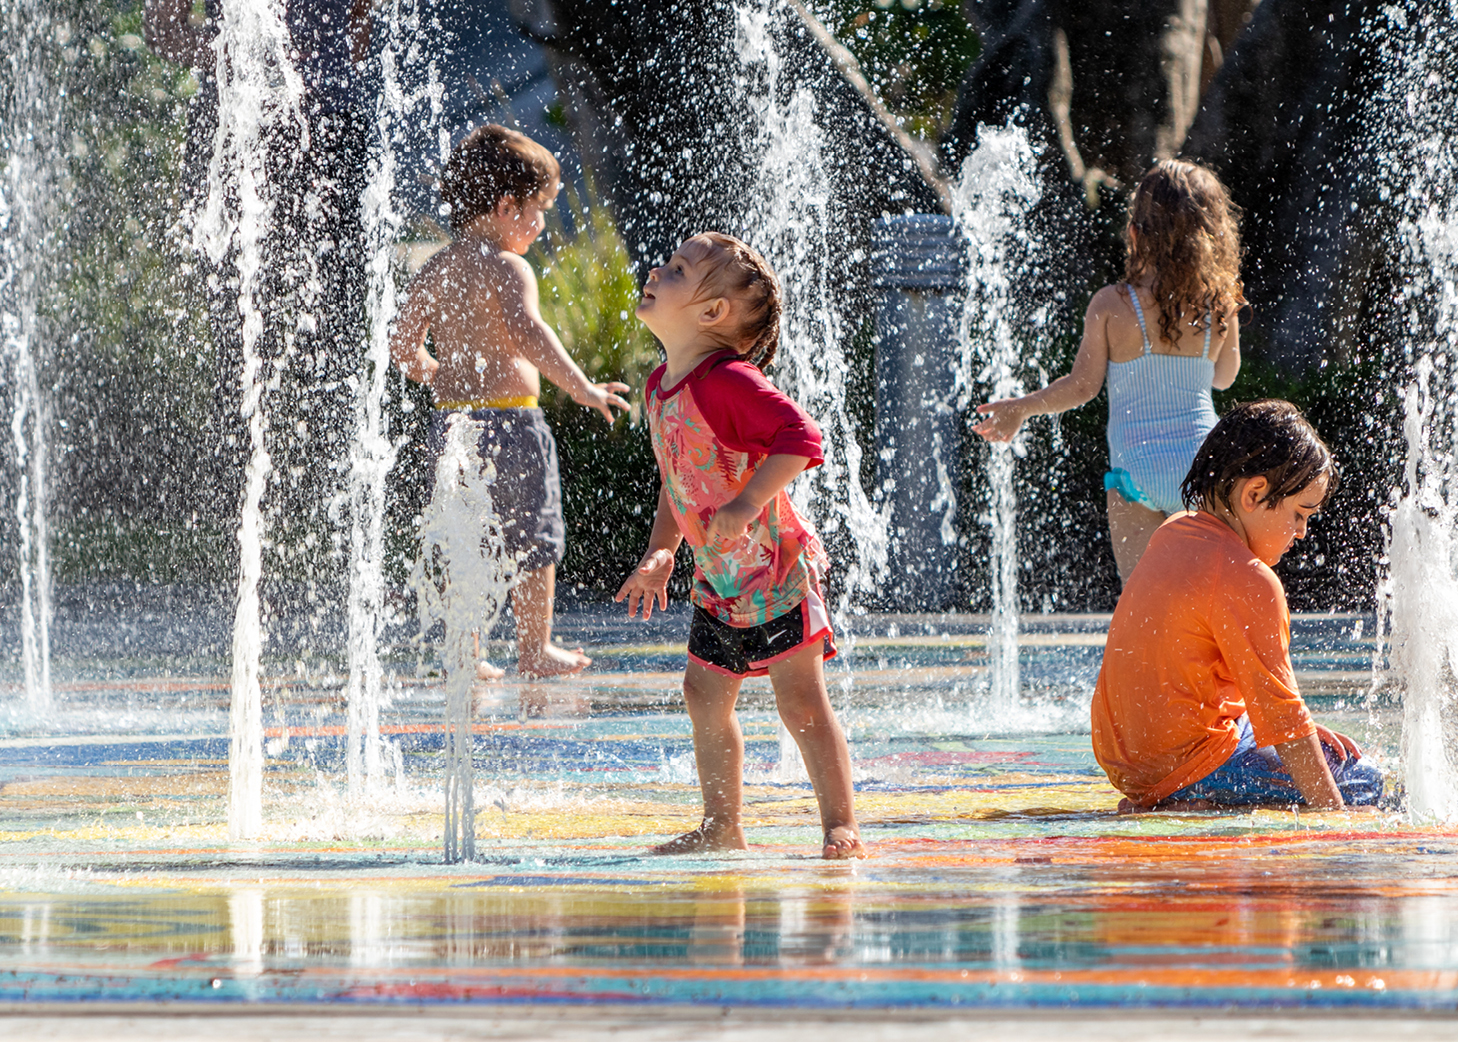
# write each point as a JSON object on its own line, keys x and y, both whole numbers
{"x": 523, "y": 401}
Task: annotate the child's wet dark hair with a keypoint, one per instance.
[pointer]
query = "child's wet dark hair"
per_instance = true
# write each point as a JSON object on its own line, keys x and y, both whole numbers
{"x": 1269, "y": 439}
{"x": 734, "y": 269}
{"x": 490, "y": 164}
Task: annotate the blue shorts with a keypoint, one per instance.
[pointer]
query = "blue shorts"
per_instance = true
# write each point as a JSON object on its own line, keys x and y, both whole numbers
{"x": 1254, "y": 775}
{"x": 527, "y": 494}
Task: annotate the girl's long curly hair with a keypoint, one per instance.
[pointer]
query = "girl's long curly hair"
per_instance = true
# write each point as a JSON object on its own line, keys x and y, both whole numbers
{"x": 1184, "y": 232}
{"x": 734, "y": 269}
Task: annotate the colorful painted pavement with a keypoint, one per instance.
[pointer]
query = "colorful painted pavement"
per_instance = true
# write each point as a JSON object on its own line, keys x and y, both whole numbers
{"x": 1001, "y": 876}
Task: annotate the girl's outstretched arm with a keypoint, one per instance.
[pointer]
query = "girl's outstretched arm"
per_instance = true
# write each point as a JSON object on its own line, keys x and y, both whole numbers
{"x": 649, "y": 581}
{"x": 1006, "y": 417}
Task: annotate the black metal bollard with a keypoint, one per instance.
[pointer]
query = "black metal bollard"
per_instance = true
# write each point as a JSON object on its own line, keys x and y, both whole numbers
{"x": 919, "y": 275}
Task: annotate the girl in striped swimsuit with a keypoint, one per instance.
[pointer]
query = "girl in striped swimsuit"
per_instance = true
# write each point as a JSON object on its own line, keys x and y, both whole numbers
{"x": 1163, "y": 337}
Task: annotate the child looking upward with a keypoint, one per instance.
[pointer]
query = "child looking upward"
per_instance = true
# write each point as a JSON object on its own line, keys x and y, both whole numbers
{"x": 1196, "y": 703}
{"x": 477, "y": 301}
{"x": 728, "y": 443}
{"x": 1182, "y": 268}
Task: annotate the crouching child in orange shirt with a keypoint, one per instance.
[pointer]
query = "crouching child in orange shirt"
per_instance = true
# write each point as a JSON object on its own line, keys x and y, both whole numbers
{"x": 1196, "y": 705}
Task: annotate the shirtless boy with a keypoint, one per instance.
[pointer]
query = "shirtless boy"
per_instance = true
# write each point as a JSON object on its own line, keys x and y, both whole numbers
{"x": 477, "y": 301}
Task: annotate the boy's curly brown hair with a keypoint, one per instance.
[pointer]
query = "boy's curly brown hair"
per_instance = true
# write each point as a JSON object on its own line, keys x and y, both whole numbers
{"x": 1184, "y": 232}
{"x": 493, "y": 163}
{"x": 736, "y": 270}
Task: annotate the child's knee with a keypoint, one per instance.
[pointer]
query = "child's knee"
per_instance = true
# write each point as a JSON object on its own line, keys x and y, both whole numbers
{"x": 805, "y": 713}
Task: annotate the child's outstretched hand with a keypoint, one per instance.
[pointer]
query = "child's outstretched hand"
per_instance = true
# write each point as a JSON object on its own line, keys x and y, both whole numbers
{"x": 604, "y": 398}
{"x": 1004, "y": 419}
{"x": 648, "y": 581}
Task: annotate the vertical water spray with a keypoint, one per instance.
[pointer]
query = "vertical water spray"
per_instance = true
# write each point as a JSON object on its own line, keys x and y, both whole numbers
{"x": 787, "y": 217}
{"x": 259, "y": 92}
{"x": 30, "y": 122}
{"x": 462, "y": 580}
{"x": 372, "y": 453}
{"x": 990, "y": 203}
{"x": 1416, "y": 121}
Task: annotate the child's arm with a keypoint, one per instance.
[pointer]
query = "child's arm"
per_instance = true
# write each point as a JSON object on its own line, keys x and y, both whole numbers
{"x": 727, "y": 525}
{"x": 1227, "y": 363}
{"x": 1005, "y": 417}
{"x": 650, "y": 578}
{"x": 407, "y": 339}
{"x": 1305, "y": 763}
{"x": 539, "y": 345}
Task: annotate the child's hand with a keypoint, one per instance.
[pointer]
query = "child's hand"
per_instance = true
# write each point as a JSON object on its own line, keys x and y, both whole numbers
{"x": 1004, "y": 419}
{"x": 1338, "y": 743}
{"x": 649, "y": 580}
{"x": 729, "y": 522}
{"x": 602, "y": 398}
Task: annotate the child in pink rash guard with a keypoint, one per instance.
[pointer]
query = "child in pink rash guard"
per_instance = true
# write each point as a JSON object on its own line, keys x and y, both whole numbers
{"x": 728, "y": 443}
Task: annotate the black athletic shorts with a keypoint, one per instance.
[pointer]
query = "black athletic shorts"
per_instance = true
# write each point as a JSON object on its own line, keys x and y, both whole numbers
{"x": 749, "y": 651}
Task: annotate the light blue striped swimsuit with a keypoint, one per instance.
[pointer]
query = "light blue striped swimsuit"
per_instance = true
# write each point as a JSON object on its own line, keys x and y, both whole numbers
{"x": 1159, "y": 413}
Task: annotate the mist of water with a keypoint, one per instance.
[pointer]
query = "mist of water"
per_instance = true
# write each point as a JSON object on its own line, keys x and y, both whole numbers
{"x": 1419, "y": 154}
{"x": 259, "y": 91}
{"x": 788, "y": 218}
{"x": 30, "y": 124}
{"x": 462, "y": 579}
{"x": 372, "y": 453}
{"x": 991, "y": 201}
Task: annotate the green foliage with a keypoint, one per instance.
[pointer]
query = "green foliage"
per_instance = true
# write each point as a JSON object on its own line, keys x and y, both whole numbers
{"x": 609, "y": 477}
{"x": 588, "y": 295}
{"x": 913, "y": 53}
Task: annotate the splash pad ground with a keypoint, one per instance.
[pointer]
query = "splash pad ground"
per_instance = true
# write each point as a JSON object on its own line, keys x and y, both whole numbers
{"x": 1003, "y": 890}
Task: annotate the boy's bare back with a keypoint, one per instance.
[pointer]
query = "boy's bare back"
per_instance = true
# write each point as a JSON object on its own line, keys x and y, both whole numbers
{"x": 479, "y": 303}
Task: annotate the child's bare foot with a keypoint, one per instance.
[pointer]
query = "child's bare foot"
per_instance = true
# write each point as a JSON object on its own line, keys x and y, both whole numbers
{"x": 708, "y": 836}
{"x": 486, "y": 671}
{"x": 552, "y": 661}
{"x": 843, "y": 842}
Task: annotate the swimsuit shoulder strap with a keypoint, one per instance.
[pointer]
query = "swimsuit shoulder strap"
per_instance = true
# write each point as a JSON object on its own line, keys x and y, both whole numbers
{"x": 1209, "y": 328}
{"x": 1139, "y": 314}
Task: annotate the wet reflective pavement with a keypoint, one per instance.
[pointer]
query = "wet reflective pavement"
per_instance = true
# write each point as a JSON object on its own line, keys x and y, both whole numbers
{"x": 1001, "y": 877}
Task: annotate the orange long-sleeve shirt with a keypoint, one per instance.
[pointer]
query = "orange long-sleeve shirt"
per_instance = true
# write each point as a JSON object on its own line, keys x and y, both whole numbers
{"x": 1201, "y": 635}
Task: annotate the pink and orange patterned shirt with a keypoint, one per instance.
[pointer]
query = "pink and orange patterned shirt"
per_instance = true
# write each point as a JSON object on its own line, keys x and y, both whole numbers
{"x": 710, "y": 432}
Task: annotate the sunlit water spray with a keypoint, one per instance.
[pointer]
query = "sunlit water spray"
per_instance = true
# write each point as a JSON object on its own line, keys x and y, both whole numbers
{"x": 1419, "y": 154}
{"x": 30, "y": 123}
{"x": 787, "y": 217}
{"x": 372, "y": 452}
{"x": 462, "y": 580}
{"x": 990, "y": 202}
{"x": 259, "y": 92}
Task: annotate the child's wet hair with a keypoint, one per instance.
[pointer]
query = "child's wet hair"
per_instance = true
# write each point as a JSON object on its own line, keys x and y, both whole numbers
{"x": 493, "y": 163}
{"x": 732, "y": 268}
{"x": 1186, "y": 235}
{"x": 1269, "y": 439}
